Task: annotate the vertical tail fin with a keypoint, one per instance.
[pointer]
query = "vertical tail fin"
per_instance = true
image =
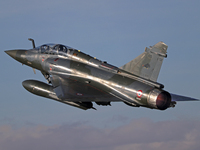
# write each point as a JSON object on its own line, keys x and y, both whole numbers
{"x": 148, "y": 64}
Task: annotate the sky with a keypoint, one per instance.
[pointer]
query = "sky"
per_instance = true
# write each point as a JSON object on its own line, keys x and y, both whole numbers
{"x": 115, "y": 31}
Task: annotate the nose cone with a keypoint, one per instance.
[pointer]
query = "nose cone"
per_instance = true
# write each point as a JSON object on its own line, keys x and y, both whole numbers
{"x": 18, "y": 55}
{"x": 12, "y": 53}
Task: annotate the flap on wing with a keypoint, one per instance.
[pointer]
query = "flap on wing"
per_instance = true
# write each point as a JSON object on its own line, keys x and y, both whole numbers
{"x": 148, "y": 64}
{"x": 182, "y": 98}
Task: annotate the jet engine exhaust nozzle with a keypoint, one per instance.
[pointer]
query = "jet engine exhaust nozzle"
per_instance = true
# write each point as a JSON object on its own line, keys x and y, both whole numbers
{"x": 159, "y": 99}
{"x": 163, "y": 100}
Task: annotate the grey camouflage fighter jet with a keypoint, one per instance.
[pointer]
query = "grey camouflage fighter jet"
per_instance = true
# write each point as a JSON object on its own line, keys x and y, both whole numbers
{"x": 77, "y": 79}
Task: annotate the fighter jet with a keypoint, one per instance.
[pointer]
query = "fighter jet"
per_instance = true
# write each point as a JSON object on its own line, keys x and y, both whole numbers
{"x": 78, "y": 79}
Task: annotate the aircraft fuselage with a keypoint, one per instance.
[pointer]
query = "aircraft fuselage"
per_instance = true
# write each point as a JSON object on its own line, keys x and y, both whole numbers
{"x": 75, "y": 66}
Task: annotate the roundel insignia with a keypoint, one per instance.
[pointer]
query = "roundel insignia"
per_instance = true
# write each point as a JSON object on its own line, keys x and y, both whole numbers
{"x": 139, "y": 93}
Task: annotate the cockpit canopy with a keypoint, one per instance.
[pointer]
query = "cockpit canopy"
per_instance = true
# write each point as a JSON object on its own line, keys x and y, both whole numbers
{"x": 54, "y": 49}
